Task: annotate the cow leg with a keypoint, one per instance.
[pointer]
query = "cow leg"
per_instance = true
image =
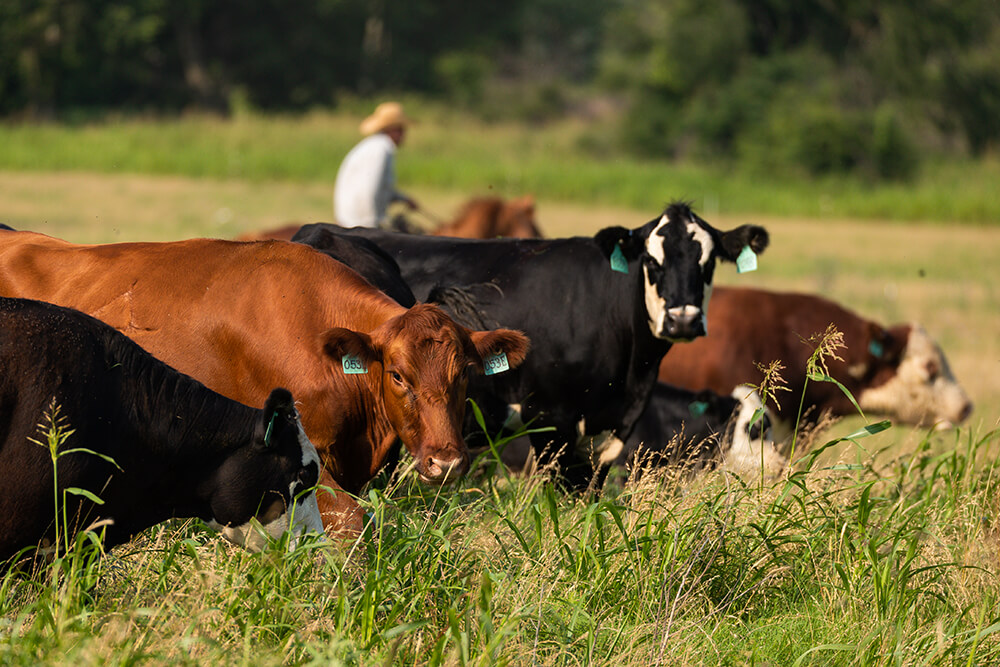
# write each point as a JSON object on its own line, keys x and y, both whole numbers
{"x": 558, "y": 449}
{"x": 342, "y": 516}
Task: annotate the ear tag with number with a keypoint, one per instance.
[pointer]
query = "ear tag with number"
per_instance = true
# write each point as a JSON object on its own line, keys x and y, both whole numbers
{"x": 618, "y": 261}
{"x": 697, "y": 408}
{"x": 747, "y": 260}
{"x": 353, "y": 365}
{"x": 495, "y": 363}
{"x": 876, "y": 349}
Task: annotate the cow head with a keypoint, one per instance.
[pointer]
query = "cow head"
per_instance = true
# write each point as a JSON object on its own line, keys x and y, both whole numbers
{"x": 419, "y": 363}
{"x": 748, "y": 443}
{"x": 264, "y": 479}
{"x": 516, "y": 219}
{"x": 908, "y": 377}
{"x": 677, "y": 253}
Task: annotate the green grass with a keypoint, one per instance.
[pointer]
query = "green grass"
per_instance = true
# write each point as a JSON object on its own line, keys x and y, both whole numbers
{"x": 879, "y": 563}
{"x": 453, "y": 152}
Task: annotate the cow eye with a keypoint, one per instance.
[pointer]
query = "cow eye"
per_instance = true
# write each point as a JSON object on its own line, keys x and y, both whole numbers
{"x": 933, "y": 370}
{"x": 396, "y": 377}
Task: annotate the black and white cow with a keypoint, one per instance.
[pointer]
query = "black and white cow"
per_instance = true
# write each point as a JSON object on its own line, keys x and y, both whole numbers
{"x": 179, "y": 449}
{"x": 601, "y": 312}
{"x": 699, "y": 429}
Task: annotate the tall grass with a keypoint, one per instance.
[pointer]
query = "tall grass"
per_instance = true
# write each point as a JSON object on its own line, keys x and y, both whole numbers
{"x": 873, "y": 563}
{"x": 569, "y": 160}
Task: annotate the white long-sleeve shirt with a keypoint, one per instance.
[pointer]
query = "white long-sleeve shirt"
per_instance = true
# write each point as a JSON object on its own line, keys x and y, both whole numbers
{"x": 366, "y": 183}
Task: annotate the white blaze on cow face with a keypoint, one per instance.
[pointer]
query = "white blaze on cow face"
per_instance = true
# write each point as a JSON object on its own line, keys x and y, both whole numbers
{"x": 746, "y": 454}
{"x": 923, "y": 391}
{"x": 301, "y": 517}
{"x": 656, "y": 306}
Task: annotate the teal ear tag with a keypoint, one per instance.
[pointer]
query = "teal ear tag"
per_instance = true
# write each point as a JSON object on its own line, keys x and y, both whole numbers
{"x": 353, "y": 365}
{"x": 496, "y": 363}
{"x": 618, "y": 261}
{"x": 697, "y": 408}
{"x": 747, "y": 261}
{"x": 876, "y": 349}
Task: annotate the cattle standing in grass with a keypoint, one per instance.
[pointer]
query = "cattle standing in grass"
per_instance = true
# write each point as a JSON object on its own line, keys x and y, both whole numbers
{"x": 179, "y": 449}
{"x": 702, "y": 429}
{"x": 242, "y": 317}
{"x": 601, "y": 312}
{"x": 899, "y": 371}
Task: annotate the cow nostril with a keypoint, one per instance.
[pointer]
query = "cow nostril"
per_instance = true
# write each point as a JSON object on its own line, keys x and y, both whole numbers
{"x": 966, "y": 411}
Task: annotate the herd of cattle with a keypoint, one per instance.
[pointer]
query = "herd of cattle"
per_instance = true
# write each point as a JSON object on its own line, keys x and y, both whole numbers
{"x": 358, "y": 342}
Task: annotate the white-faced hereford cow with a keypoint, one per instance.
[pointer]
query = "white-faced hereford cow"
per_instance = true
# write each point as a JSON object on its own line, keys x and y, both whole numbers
{"x": 601, "y": 312}
{"x": 179, "y": 449}
{"x": 243, "y": 317}
{"x": 897, "y": 371}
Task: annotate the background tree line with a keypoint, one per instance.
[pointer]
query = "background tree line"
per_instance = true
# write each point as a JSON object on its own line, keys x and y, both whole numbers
{"x": 823, "y": 86}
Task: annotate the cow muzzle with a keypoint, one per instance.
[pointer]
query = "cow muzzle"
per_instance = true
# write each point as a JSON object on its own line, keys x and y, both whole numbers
{"x": 434, "y": 470}
{"x": 683, "y": 323}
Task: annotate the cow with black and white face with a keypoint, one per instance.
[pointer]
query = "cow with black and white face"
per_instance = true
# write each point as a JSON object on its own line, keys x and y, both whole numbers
{"x": 678, "y": 252}
{"x": 600, "y": 311}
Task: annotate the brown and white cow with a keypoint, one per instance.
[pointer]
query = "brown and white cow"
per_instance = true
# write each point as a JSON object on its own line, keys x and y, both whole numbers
{"x": 897, "y": 371}
{"x": 245, "y": 317}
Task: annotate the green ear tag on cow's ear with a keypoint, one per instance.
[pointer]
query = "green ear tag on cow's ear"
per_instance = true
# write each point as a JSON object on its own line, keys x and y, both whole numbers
{"x": 495, "y": 363}
{"x": 267, "y": 432}
{"x": 353, "y": 365}
{"x": 697, "y": 408}
{"x": 876, "y": 349}
{"x": 618, "y": 261}
{"x": 747, "y": 261}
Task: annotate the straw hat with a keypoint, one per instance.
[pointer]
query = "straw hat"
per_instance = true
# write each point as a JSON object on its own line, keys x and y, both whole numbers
{"x": 386, "y": 115}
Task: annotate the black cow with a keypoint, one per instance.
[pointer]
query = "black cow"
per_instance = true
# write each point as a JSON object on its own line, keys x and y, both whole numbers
{"x": 362, "y": 255}
{"x": 601, "y": 312}
{"x": 179, "y": 449}
{"x": 701, "y": 429}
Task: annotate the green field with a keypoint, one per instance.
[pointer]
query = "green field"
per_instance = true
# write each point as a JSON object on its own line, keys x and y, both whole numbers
{"x": 882, "y": 551}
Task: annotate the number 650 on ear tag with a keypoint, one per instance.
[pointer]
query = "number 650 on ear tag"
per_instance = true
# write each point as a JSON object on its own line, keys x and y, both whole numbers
{"x": 496, "y": 363}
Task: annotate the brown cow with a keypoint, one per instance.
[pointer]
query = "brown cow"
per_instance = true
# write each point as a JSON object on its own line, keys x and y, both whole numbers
{"x": 899, "y": 371}
{"x": 492, "y": 217}
{"x": 479, "y": 218}
{"x": 245, "y": 317}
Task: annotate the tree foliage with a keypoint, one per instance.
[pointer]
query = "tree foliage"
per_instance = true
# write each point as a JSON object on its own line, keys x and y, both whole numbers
{"x": 825, "y": 85}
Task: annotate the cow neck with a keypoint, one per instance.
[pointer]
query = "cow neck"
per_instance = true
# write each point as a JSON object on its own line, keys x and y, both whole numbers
{"x": 181, "y": 419}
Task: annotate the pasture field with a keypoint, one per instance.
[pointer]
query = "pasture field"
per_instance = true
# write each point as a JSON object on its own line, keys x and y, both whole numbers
{"x": 878, "y": 551}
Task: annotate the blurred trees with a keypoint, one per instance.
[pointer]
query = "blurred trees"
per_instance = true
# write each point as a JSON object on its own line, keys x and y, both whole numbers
{"x": 820, "y": 85}
{"x": 827, "y": 85}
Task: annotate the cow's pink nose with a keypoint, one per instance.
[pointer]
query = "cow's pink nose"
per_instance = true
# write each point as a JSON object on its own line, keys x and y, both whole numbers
{"x": 445, "y": 470}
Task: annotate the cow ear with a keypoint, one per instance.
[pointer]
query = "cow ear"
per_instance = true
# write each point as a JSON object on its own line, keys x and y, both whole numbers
{"x": 609, "y": 237}
{"x": 895, "y": 341}
{"x": 513, "y": 344}
{"x": 733, "y": 241}
{"x": 277, "y": 416}
{"x": 338, "y": 343}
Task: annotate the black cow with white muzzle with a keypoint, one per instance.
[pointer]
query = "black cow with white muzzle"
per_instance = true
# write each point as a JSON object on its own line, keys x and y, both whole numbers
{"x": 146, "y": 440}
{"x": 601, "y": 312}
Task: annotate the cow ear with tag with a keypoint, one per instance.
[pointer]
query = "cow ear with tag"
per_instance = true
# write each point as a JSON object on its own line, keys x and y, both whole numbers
{"x": 739, "y": 241}
{"x": 352, "y": 352}
{"x": 617, "y": 244}
{"x": 276, "y": 417}
{"x": 498, "y": 350}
